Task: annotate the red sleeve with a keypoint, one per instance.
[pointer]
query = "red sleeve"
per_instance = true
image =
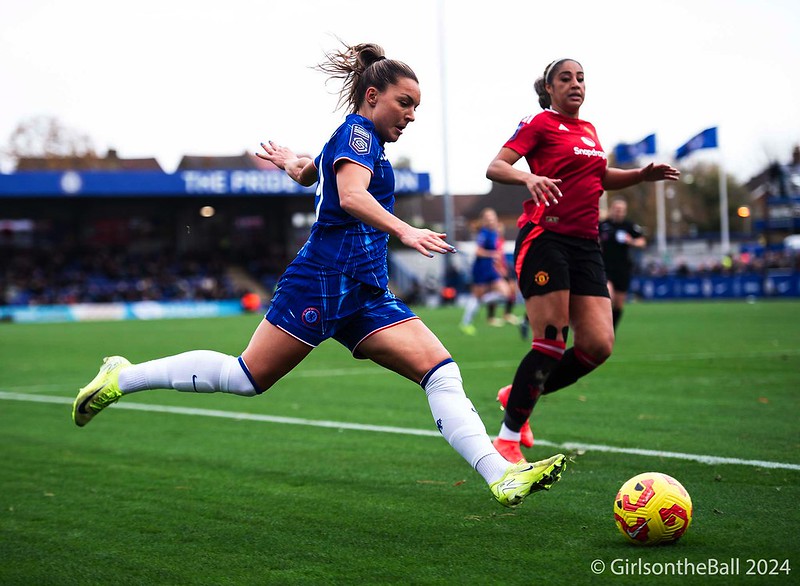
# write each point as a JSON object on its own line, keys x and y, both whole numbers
{"x": 525, "y": 137}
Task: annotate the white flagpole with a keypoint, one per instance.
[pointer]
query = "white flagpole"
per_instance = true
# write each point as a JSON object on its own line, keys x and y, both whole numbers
{"x": 725, "y": 236}
{"x": 661, "y": 221}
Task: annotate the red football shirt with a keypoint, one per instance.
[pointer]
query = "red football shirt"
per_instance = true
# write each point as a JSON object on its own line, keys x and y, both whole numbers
{"x": 559, "y": 147}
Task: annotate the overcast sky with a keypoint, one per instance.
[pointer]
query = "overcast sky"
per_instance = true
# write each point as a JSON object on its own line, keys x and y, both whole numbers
{"x": 166, "y": 78}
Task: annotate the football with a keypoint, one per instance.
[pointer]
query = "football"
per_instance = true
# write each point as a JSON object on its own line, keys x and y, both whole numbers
{"x": 652, "y": 508}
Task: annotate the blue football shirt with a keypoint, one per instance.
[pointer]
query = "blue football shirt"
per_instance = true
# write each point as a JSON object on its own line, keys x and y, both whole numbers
{"x": 487, "y": 238}
{"x": 339, "y": 240}
{"x": 483, "y": 269}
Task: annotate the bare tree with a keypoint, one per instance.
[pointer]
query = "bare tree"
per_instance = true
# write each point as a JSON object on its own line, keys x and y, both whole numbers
{"x": 45, "y": 137}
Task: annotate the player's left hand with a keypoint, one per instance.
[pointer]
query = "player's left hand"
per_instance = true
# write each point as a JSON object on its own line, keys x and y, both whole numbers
{"x": 662, "y": 172}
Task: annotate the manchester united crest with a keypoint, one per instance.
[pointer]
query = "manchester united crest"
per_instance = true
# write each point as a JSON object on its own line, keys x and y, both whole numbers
{"x": 541, "y": 278}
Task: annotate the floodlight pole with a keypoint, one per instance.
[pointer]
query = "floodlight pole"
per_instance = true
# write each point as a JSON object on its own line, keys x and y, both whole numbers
{"x": 447, "y": 200}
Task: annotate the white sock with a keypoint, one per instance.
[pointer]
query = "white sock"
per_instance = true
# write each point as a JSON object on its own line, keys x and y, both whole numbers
{"x": 459, "y": 422}
{"x": 470, "y": 309}
{"x": 493, "y": 296}
{"x": 507, "y": 434}
{"x": 492, "y": 467}
{"x": 198, "y": 371}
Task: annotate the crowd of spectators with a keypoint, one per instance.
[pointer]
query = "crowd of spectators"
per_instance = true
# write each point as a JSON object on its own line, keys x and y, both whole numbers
{"x": 734, "y": 264}
{"x": 53, "y": 277}
{"x": 67, "y": 276}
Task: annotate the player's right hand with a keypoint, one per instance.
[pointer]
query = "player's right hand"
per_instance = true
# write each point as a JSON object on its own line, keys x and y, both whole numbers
{"x": 543, "y": 190}
{"x": 426, "y": 241}
{"x": 276, "y": 154}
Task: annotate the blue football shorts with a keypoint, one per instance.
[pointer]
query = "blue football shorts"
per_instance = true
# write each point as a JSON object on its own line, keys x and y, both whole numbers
{"x": 314, "y": 303}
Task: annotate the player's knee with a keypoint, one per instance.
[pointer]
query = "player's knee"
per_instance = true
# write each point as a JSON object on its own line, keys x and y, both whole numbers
{"x": 444, "y": 375}
{"x": 600, "y": 345}
{"x": 251, "y": 387}
{"x": 240, "y": 380}
{"x": 603, "y": 349}
{"x": 596, "y": 353}
{"x": 255, "y": 387}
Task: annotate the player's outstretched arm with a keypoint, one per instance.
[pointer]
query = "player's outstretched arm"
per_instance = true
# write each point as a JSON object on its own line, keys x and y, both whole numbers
{"x": 622, "y": 178}
{"x": 300, "y": 169}
{"x": 662, "y": 172}
{"x": 352, "y": 181}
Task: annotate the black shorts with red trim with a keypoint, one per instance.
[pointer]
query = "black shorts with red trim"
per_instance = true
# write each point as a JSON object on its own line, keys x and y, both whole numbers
{"x": 546, "y": 261}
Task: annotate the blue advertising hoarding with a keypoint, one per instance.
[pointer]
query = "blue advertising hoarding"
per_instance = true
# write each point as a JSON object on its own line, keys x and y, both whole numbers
{"x": 777, "y": 283}
{"x": 183, "y": 183}
{"x": 145, "y": 310}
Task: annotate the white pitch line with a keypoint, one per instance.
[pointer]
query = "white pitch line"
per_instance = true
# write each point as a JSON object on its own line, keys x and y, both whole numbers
{"x": 703, "y": 459}
{"x": 226, "y": 415}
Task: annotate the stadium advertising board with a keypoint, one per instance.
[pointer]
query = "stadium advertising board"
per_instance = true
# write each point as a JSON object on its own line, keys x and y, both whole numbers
{"x": 182, "y": 183}
{"x": 777, "y": 283}
{"x": 120, "y": 311}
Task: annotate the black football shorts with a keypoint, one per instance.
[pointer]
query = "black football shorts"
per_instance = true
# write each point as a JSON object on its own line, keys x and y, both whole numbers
{"x": 546, "y": 261}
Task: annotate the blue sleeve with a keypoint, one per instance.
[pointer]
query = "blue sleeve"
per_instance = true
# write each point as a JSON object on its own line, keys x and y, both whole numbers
{"x": 359, "y": 145}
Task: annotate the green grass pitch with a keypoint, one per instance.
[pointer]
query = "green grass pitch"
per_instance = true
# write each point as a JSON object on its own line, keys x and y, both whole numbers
{"x": 142, "y": 497}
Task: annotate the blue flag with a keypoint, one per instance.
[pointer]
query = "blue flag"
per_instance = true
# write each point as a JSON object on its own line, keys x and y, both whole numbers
{"x": 705, "y": 140}
{"x": 626, "y": 153}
